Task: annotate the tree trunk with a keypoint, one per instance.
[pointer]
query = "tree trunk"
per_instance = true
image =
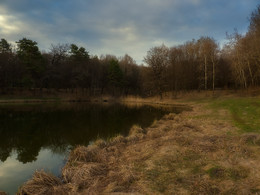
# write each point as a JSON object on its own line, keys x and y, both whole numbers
{"x": 206, "y": 73}
{"x": 250, "y": 72}
{"x": 213, "y": 75}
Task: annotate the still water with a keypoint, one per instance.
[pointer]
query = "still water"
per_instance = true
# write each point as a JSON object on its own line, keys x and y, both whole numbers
{"x": 40, "y": 136}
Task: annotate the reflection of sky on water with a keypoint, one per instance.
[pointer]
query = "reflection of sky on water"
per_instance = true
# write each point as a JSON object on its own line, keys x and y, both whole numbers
{"x": 13, "y": 173}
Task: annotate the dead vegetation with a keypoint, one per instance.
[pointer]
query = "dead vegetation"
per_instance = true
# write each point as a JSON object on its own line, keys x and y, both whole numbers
{"x": 189, "y": 153}
{"x": 45, "y": 183}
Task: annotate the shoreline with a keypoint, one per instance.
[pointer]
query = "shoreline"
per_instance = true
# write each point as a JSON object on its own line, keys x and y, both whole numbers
{"x": 192, "y": 152}
{"x": 127, "y": 101}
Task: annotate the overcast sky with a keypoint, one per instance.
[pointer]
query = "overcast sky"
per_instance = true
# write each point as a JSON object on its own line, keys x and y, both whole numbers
{"x": 122, "y": 26}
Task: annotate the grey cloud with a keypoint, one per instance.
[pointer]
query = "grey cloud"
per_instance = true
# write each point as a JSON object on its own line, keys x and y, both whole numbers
{"x": 122, "y": 26}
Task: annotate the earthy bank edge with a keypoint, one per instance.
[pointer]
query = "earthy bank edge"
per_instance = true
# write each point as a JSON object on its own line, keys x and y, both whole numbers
{"x": 189, "y": 153}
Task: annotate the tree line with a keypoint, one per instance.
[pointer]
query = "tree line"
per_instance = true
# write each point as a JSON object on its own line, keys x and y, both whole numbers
{"x": 65, "y": 67}
{"x": 195, "y": 65}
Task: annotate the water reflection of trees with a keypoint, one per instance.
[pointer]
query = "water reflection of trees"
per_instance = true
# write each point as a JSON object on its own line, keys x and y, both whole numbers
{"x": 27, "y": 129}
{"x": 4, "y": 153}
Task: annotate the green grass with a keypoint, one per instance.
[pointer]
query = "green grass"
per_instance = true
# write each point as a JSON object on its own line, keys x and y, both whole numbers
{"x": 245, "y": 112}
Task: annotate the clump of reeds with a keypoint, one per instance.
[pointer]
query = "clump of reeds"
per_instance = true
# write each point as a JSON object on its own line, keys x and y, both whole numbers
{"x": 100, "y": 143}
{"x": 170, "y": 116}
{"x": 136, "y": 133}
{"x": 44, "y": 183}
{"x": 137, "y": 130}
{"x": 85, "y": 154}
{"x": 118, "y": 140}
{"x": 84, "y": 174}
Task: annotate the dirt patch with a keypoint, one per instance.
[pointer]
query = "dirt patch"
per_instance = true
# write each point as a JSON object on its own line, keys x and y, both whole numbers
{"x": 179, "y": 154}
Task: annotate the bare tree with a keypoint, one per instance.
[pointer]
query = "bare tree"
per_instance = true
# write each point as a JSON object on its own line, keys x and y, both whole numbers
{"x": 236, "y": 56}
{"x": 158, "y": 59}
{"x": 207, "y": 49}
{"x": 59, "y": 52}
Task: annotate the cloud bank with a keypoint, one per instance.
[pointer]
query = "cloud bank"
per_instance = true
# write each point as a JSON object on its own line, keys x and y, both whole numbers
{"x": 121, "y": 26}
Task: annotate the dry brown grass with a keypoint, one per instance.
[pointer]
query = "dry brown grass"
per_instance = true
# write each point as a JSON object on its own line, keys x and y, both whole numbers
{"x": 45, "y": 183}
{"x": 189, "y": 153}
{"x": 85, "y": 154}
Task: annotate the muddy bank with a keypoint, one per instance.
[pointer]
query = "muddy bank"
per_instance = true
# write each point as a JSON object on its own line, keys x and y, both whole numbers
{"x": 189, "y": 153}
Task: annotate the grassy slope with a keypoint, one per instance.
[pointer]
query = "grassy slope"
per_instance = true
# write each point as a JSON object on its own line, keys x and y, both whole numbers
{"x": 210, "y": 150}
{"x": 245, "y": 112}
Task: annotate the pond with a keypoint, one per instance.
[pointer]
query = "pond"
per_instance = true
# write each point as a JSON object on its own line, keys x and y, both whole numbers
{"x": 40, "y": 136}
